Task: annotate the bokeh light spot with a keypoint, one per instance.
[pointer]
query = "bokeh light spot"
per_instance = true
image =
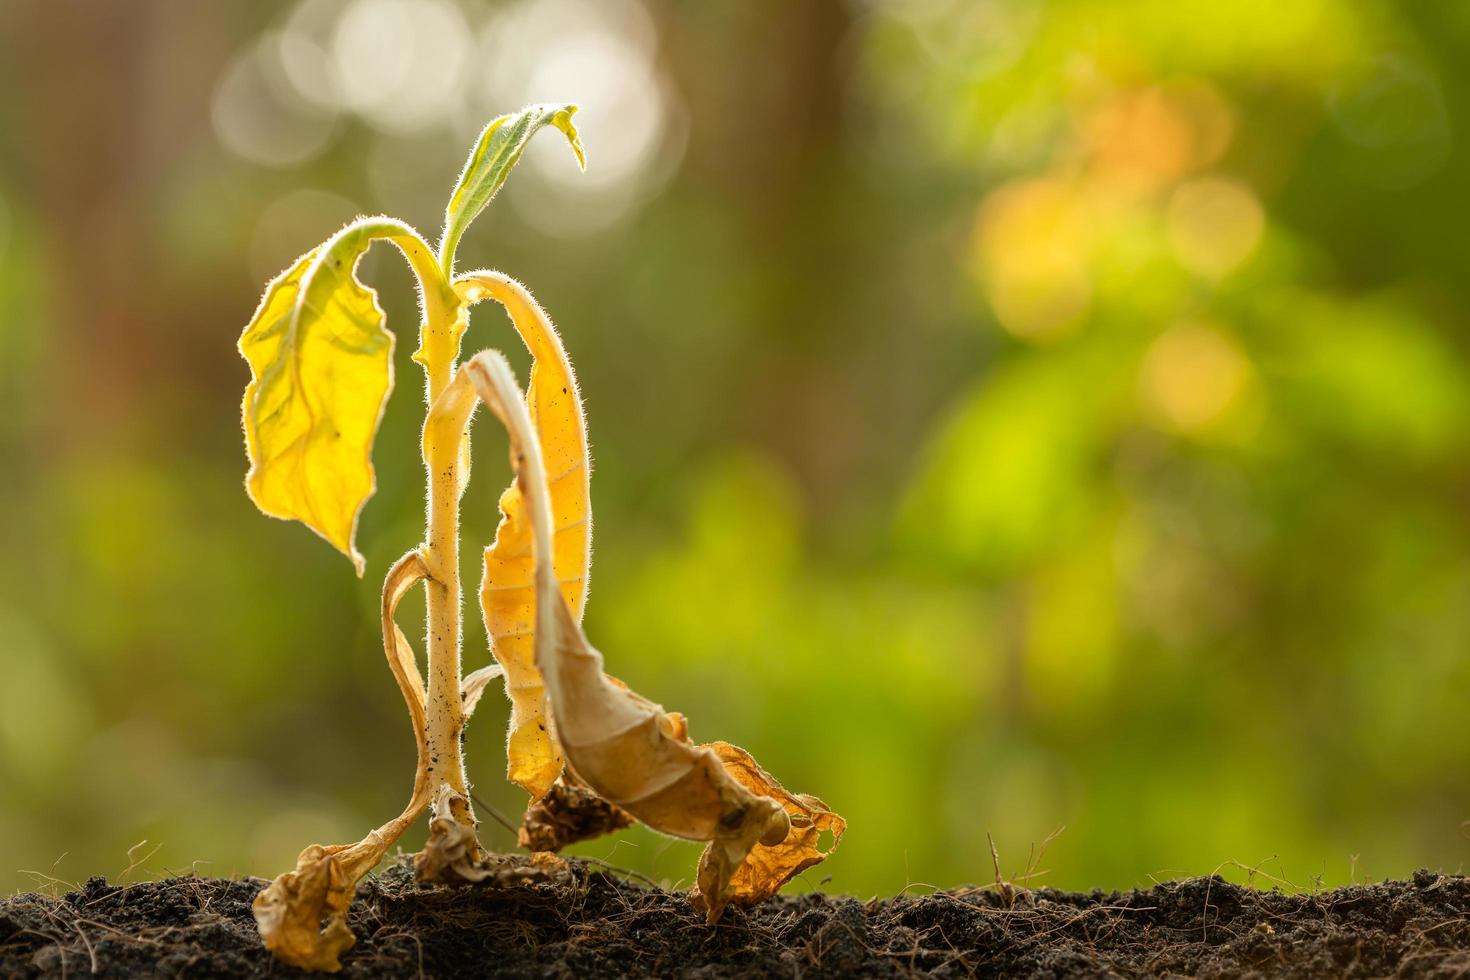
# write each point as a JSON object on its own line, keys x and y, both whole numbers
{"x": 401, "y": 62}
{"x": 1031, "y": 247}
{"x": 259, "y": 119}
{"x": 1159, "y": 134}
{"x": 1193, "y": 375}
{"x": 306, "y": 60}
{"x": 1214, "y": 225}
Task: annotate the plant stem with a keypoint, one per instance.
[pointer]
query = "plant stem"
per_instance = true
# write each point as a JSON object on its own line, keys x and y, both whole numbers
{"x": 445, "y": 452}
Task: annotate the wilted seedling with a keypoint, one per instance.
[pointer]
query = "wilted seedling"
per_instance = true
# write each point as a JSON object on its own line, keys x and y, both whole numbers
{"x": 592, "y": 754}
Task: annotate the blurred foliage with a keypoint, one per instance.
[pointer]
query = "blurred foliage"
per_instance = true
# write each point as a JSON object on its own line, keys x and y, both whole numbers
{"x": 1007, "y": 415}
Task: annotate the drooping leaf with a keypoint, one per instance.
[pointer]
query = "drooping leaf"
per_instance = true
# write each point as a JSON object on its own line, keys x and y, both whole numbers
{"x": 302, "y": 914}
{"x": 634, "y": 754}
{"x": 630, "y": 751}
{"x": 322, "y": 368}
{"x": 498, "y": 149}
{"x": 507, "y": 594}
{"x": 407, "y": 572}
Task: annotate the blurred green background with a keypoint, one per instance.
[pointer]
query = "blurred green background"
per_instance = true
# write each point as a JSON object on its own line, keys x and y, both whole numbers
{"x": 1007, "y": 415}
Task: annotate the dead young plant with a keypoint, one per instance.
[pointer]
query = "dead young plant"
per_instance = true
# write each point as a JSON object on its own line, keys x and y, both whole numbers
{"x": 591, "y": 753}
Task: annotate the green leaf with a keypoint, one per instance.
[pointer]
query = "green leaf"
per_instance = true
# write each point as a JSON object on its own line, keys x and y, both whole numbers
{"x": 490, "y": 162}
{"x": 322, "y": 368}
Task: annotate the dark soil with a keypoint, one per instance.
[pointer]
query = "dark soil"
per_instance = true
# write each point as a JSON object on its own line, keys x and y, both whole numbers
{"x": 602, "y": 925}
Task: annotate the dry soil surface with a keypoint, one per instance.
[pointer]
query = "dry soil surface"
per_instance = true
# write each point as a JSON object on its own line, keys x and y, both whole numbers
{"x": 595, "y": 924}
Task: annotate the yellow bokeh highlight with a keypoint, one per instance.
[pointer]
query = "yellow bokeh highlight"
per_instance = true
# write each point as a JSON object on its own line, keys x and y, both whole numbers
{"x": 1043, "y": 243}
{"x": 1214, "y": 225}
{"x": 1194, "y": 376}
{"x": 1031, "y": 249}
{"x": 1150, "y": 137}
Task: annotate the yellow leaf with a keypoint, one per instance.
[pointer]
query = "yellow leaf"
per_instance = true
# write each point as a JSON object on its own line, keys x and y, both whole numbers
{"x": 322, "y": 367}
{"x": 507, "y": 594}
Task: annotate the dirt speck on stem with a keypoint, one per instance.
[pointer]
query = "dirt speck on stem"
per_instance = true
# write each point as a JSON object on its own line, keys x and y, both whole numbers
{"x": 597, "y": 925}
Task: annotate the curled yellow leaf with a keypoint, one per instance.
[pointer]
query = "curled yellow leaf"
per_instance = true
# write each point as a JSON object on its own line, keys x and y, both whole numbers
{"x": 321, "y": 368}
{"x": 507, "y": 592}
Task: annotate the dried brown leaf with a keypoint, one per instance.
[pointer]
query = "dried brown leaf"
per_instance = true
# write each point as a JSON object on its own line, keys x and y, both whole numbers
{"x": 769, "y": 866}
{"x": 452, "y": 852}
{"x": 472, "y": 688}
{"x": 302, "y": 914}
{"x": 569, "y": 812}
{"x": 627, "y": 749}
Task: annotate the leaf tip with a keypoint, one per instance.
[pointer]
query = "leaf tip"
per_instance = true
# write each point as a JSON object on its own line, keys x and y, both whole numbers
{"x": 343, "y": 536}
{"x": 563, "y": 121}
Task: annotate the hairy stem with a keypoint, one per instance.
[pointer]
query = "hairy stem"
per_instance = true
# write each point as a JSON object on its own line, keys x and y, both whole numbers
{"x": 446, "y": 462}
{"x": 444, "y": 429}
